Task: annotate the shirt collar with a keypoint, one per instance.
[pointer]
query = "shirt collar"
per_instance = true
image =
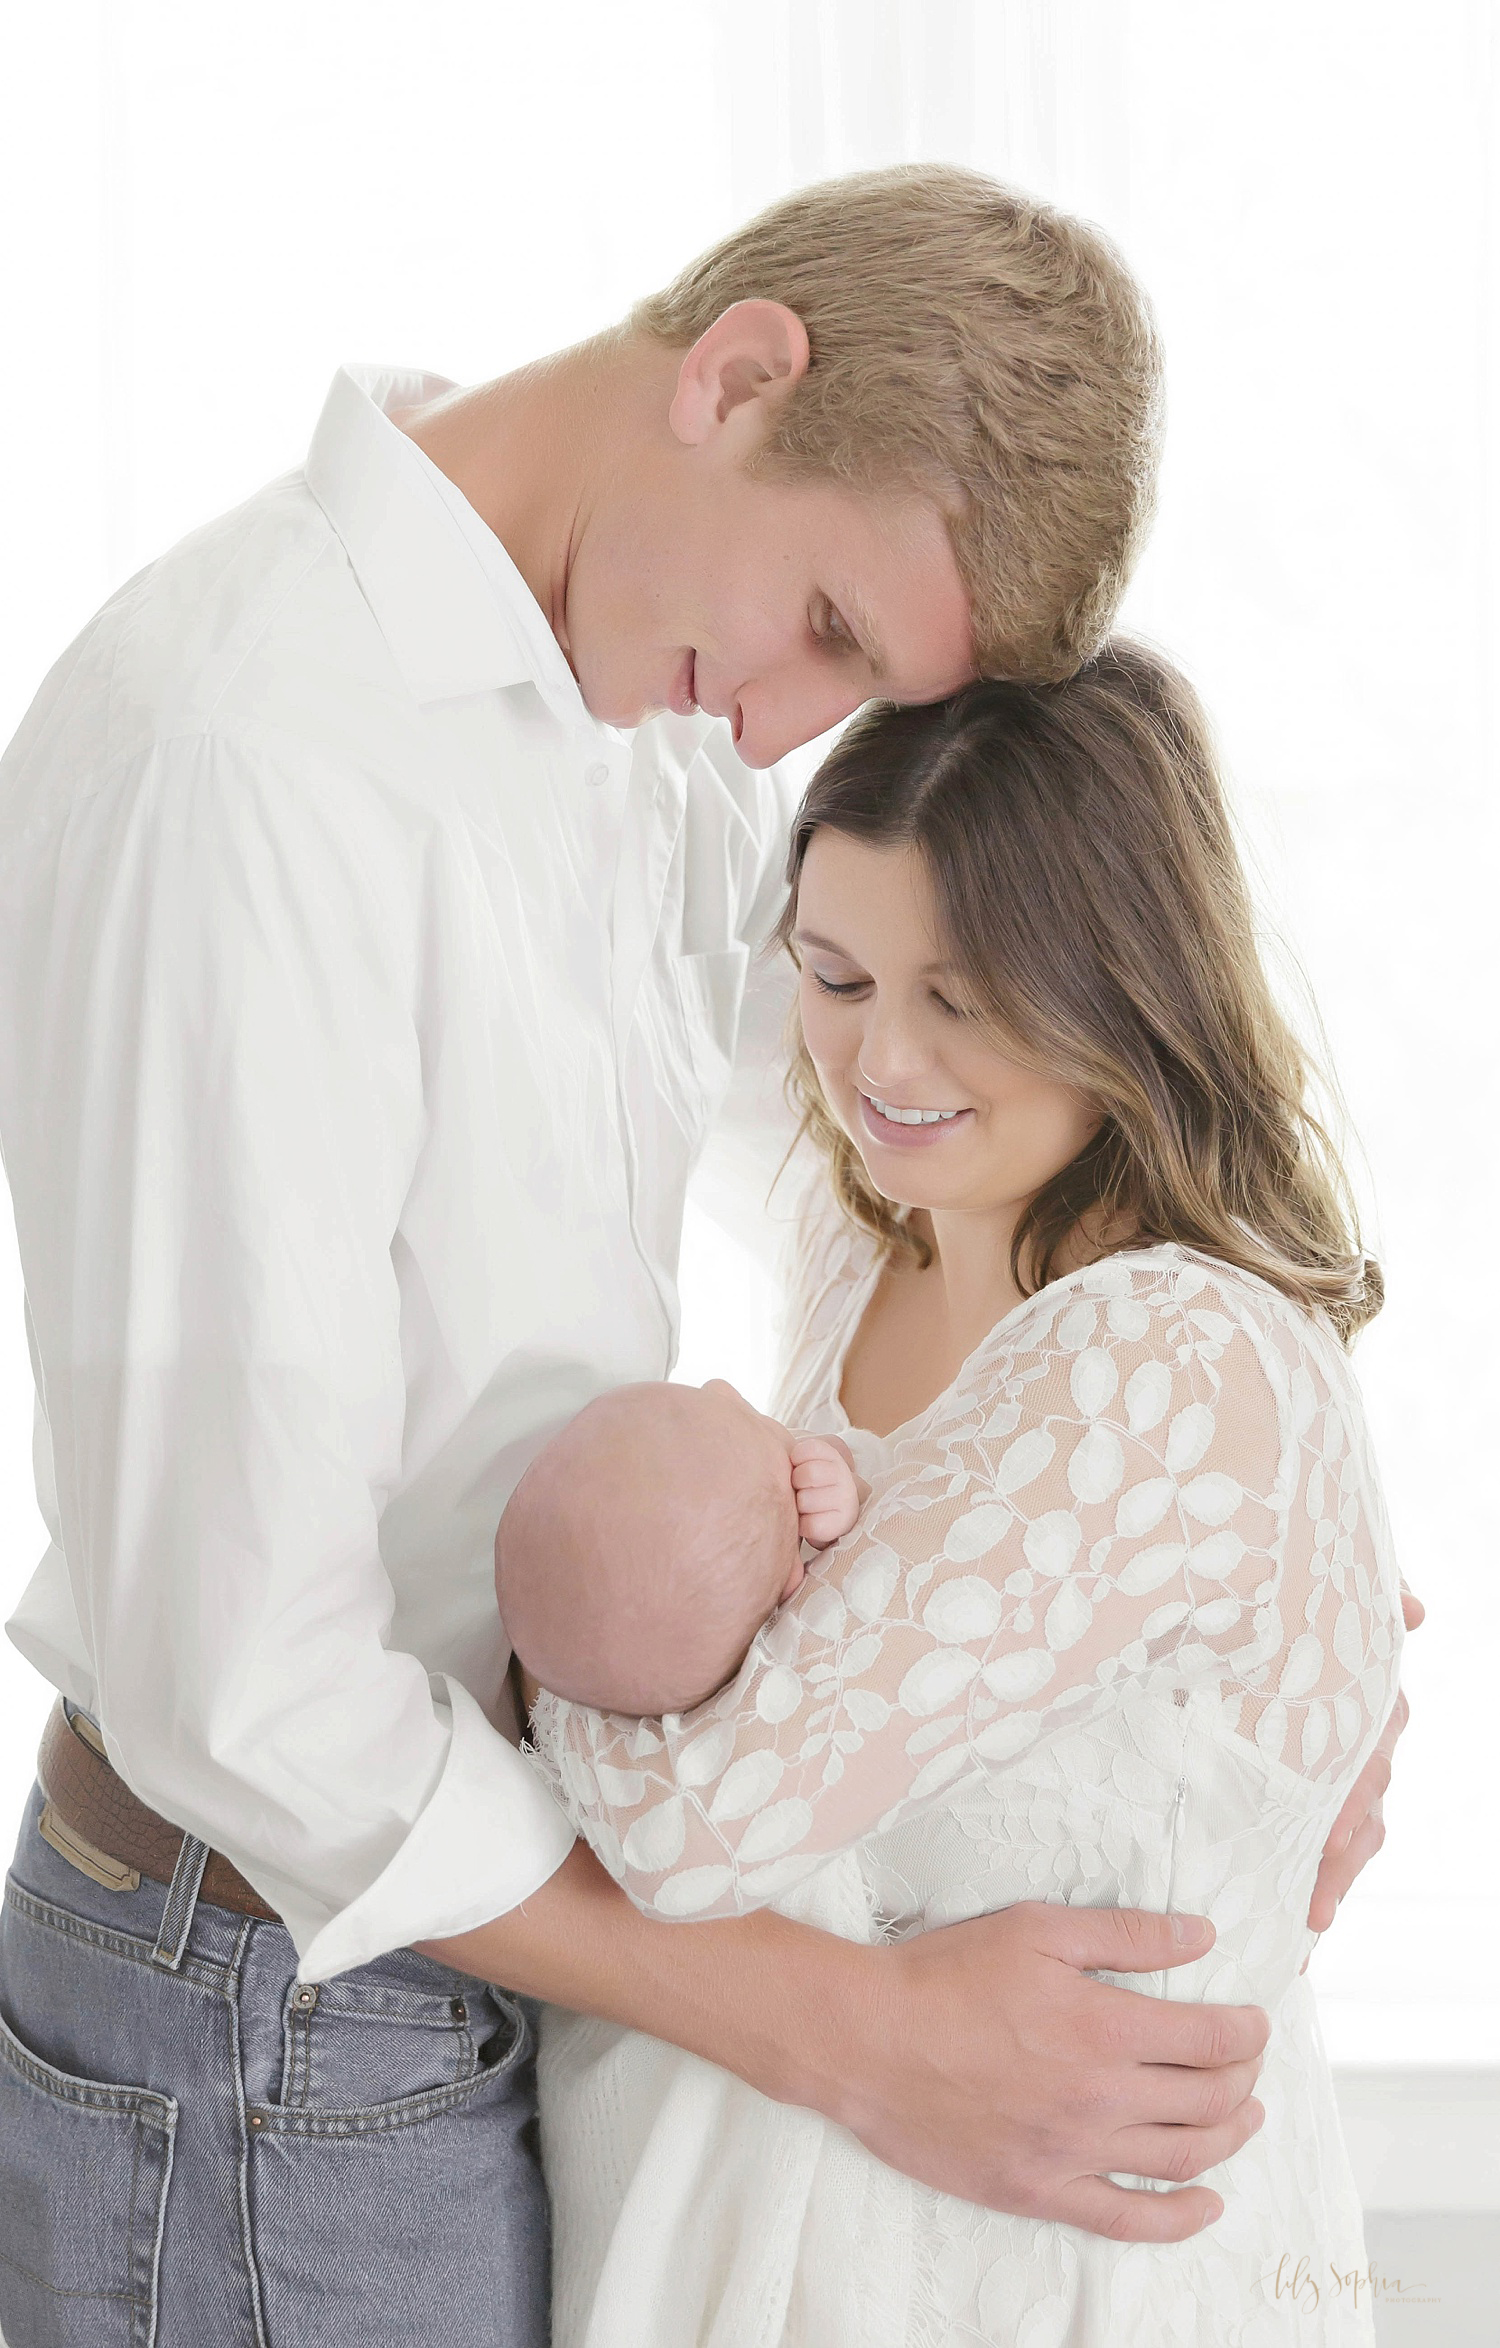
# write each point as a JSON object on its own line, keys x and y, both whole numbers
{"x": 456, "y": 612}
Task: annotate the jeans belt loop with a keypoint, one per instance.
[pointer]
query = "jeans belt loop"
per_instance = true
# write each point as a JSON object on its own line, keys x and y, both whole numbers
{"x": 182, "y": 1899}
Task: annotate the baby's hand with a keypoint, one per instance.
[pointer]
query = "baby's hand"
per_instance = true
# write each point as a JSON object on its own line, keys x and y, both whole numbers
{"x": 829, "y": 1494}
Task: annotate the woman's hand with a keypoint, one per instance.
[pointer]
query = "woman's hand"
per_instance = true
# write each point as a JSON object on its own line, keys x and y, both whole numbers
{"x": 1359, "y": 1829}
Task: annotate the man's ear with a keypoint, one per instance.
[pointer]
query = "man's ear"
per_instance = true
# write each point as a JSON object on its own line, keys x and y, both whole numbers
{"x": 752, "y": 351}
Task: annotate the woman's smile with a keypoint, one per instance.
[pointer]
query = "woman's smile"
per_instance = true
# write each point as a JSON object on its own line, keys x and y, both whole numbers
{"x": 905, "y": 1129}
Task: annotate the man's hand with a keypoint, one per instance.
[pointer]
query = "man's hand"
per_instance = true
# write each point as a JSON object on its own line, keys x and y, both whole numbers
{"x": 1359, "y": 1829}
{"x": 1062, "y": 2079}
{"x": 980, "y": 2058}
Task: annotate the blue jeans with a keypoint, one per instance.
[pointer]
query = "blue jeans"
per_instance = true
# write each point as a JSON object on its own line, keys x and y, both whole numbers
{"x": 195, "y": 2152}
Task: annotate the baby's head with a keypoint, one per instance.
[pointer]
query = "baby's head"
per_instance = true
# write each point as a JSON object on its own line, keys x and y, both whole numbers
{"x": 646, "y": 1544}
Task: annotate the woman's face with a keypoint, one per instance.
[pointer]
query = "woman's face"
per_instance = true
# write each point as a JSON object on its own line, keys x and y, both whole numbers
{"x": 941, "y": 1115}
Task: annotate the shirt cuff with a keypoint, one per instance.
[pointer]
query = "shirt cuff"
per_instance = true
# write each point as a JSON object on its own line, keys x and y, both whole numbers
{"x": 490, "y": 1836}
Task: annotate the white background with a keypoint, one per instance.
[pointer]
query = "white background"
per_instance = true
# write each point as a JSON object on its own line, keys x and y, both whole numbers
{"x": 203, "y": 210}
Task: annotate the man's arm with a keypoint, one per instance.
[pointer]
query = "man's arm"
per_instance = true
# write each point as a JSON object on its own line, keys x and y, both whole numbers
{"x": 214, "y": 1086}
{"x": 980, "y": 2058}
{"x": 989, "y": 2064}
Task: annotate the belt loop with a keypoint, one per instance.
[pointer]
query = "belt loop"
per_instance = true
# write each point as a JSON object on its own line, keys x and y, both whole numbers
{"x": 182, "y": 1899}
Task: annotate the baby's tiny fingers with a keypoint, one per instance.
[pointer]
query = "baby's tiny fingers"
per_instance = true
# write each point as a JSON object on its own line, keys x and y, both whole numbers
{"x": 817, "y": 1475}
{"x": 824, "y": 1526}
{"x": 809, "y": 1447}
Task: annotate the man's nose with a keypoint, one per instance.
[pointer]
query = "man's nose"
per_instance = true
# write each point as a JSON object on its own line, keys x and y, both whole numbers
{"x": 778, "y": 716}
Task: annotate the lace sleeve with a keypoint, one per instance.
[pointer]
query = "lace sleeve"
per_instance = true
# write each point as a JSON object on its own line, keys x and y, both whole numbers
{"x": 1148, "y": 1472}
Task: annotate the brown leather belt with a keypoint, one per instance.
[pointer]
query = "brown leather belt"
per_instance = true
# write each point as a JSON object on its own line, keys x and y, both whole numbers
{"x": 96, "y": 1822}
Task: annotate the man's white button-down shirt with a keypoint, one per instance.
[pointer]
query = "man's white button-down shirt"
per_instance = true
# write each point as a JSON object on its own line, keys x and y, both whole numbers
{"x": 363, "y": 1007}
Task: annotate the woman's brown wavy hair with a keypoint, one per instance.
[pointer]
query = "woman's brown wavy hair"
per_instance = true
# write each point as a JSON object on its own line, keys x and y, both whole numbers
{"x": 1093, "y": 900}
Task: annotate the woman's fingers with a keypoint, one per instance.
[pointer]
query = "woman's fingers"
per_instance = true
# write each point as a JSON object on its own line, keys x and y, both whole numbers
{"x": 1177, "y": 2155}
{"x": 1340, "y": 1868}
{"x": 1359, "y": 1829}
{"x": 1122, "y": 2216}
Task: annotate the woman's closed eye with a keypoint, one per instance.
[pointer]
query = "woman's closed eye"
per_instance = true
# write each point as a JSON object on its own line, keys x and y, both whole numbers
{"x": 846, "y": 989}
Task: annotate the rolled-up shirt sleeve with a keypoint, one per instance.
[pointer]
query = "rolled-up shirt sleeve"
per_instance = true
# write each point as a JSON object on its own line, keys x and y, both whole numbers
{"x": 222, "y": 961}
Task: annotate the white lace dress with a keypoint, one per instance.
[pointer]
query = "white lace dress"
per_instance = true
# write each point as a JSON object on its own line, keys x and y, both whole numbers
{"x": 1118, "y": 1626}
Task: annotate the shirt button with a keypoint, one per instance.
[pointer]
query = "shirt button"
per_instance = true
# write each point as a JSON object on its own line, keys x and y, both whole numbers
{"x": 596, "y": 774}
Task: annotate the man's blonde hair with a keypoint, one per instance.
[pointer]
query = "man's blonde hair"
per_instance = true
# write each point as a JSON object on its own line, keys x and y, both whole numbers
{"x": 972, "y": 344}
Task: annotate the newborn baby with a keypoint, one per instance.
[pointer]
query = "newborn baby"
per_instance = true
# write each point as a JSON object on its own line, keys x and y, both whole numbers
{"x": 647, "y": 1543}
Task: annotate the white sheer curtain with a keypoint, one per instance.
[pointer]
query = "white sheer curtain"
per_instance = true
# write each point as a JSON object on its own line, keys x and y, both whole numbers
{"x": 208, "y": 211}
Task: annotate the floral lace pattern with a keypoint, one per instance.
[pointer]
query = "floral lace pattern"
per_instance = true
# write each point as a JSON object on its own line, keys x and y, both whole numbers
{"x": 1147, "y": 1475}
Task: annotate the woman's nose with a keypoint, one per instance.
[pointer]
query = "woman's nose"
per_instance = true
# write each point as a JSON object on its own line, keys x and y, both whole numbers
{"x": 892, "y": 1053}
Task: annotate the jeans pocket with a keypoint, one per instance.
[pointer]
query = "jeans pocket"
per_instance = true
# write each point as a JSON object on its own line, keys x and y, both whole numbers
{"x": 445, "y": 2180}
{"x": 83, "y": 2191}
{"x": 366, "y": 2039}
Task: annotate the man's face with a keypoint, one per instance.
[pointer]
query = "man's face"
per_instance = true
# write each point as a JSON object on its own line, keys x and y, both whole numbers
{"x": 781, "y": 605}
